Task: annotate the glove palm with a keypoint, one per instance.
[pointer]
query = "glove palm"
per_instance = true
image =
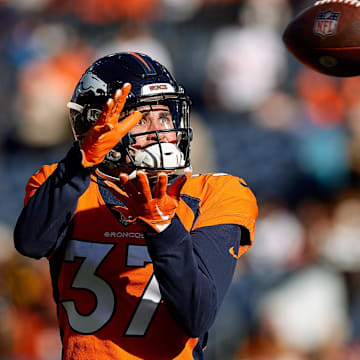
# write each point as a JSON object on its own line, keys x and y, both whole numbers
{"x": 154, "y": 208}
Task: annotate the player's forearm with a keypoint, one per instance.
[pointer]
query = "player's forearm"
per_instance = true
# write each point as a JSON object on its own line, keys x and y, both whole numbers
{"x": 190, "y": 288}
{"x": 44, "y": 220}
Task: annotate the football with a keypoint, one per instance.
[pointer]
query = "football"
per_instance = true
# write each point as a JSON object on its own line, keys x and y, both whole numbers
{"x": 326, "y": 37}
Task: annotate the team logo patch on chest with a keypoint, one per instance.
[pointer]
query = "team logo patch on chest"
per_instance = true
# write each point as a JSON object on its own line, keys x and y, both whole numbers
{"x": 326, "y": 23}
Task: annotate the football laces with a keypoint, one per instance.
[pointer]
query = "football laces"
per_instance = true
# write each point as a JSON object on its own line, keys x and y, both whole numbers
{"x": 348, "y": 2}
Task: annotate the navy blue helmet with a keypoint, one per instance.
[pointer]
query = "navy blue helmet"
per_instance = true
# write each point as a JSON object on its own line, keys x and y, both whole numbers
{"x": 152, "y": 84}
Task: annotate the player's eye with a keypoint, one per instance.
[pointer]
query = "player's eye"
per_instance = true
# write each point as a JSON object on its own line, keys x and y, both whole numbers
{"x": 142, "y": 122}
{"x": 165, "y": 118}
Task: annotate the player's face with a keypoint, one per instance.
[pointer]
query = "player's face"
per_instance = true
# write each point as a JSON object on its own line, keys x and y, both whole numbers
{"x": 154, "y": 117}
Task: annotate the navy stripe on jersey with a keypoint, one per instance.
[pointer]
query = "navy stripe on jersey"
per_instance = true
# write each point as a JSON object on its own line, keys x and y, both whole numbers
{"x": 193, "y": 204}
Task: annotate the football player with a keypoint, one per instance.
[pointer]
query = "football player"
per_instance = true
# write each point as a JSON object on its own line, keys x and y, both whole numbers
{"x": 141, "y": 250}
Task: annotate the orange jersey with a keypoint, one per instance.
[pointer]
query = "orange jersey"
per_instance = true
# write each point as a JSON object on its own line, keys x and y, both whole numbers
{"x": 109, "y": 301}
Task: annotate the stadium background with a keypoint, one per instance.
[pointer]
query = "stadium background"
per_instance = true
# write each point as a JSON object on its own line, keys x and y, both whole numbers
{"x": 293, "y": 134}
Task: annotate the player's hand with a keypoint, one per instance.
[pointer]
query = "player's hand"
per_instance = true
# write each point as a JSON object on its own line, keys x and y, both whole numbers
{"x": 108, "y": 131}
{"x": 154, "y": 209}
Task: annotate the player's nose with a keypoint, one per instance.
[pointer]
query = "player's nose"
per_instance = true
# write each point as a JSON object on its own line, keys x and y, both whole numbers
{"x": 156, "y": 135}
{"x": 155, "y": 122}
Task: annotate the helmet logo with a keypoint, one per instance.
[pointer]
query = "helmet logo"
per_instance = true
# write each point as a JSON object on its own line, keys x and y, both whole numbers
{"x": 90, "y": 82}
{"x": 151, "y": 89}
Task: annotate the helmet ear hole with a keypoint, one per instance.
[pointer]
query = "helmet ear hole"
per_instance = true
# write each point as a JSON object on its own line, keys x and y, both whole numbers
{"x": 91, "y": 114}
{"x": 114, "y": 155}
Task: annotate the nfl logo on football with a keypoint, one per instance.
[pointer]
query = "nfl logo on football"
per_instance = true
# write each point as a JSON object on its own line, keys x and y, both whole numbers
{"x": 326, "y": 23}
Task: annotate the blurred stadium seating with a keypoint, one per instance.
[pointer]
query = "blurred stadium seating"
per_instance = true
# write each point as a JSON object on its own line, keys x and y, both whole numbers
{"x": 294, "y": 135}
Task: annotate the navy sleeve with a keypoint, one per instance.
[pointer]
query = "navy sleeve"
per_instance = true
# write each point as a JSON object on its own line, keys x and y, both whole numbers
{"x": 194, "y": 271}
{"x": 45, "y": 219}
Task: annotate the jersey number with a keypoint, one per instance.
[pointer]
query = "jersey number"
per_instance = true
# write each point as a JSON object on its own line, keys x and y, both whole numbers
{"x": 93, "y": 255}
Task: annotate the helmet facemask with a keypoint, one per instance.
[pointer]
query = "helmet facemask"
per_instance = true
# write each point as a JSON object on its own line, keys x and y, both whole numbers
{"x": 157, "y": 156}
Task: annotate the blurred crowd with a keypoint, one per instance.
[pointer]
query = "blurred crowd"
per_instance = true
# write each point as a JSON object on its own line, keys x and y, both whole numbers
{"x": 291, "y": 133}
